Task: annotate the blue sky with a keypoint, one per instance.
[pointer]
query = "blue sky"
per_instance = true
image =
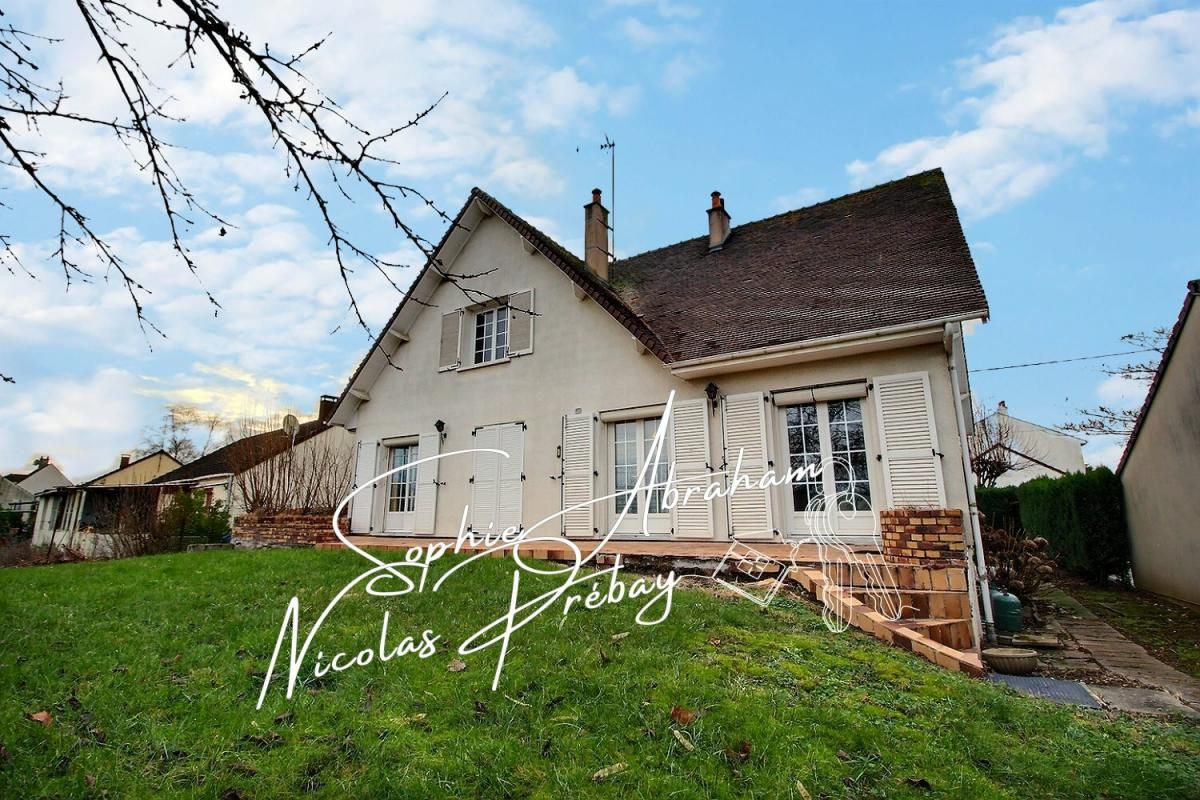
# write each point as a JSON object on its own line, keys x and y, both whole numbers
{"x": 1069, "y": 134}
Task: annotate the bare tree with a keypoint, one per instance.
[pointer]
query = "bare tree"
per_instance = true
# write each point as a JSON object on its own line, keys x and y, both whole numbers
{"x": 997, "y": 448}
{"x": 1117, "y": 421}
{"x": 185, "y": 432}
{"x": 270, "y": 474}
{"x": 331, "y": 160}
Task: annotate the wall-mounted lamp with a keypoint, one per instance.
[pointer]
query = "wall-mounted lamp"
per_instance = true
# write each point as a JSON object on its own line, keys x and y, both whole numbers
{"x": 713, "y": 392}
{"x": 440, "y": 427}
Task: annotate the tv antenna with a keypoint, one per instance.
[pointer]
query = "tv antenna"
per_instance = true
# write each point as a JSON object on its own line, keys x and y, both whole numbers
{"x": 611, "y": 147}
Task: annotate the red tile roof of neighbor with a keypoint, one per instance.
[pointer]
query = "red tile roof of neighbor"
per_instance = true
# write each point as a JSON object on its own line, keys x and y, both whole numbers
{"x": 887, "y": 256}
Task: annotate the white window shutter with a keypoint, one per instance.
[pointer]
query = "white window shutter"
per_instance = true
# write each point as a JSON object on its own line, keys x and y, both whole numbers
{"x": 365, "y": 461}
{"x": 427, "y": 483}
{"x": 578, "y": 475}
{"x": 912, "y": 467}
{"x": 485, "y": 484}
{"x": 689, "y": 449}
{"x": 746, "y": 433}
{"x": 451, "y": 337}
{"x": 520, "y": 324}
{"x": 512, "y": 477}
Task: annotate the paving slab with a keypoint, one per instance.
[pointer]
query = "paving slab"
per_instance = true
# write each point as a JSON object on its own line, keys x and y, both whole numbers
{"x": 1143, "y": 701}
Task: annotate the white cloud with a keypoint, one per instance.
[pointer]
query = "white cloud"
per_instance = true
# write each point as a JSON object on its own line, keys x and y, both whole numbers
{"x": 681, "y": 71}
{"x": 82, "y": 423}
{"x": 804, "y": 196}
{"x": 1104, "y": 451}
{"x": 1044, "y": 93}
{"x": 1122, "y": 392}
{"x": 561, "y": 98}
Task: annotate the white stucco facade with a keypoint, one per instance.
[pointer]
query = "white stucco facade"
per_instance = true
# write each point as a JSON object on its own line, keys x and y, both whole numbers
{"x": 585, "y": 363}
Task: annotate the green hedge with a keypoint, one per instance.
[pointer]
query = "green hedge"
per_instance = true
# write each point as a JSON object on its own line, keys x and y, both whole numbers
{"x": 1082, "y": 515}
{"x": 998, "y": 505}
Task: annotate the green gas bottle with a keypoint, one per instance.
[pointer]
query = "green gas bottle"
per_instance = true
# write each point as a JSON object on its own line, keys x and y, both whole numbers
{"x": 1006, "y": 612}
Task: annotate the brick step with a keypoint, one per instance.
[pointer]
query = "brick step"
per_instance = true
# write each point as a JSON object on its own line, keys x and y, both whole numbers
{"x": 914, "y": 603}
{"x": 900, "y": 576}
{"x": 945, "y": 642}
{"x": 954, "y": 633}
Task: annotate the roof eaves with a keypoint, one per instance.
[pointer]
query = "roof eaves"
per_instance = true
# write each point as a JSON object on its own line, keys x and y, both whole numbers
{"x": 1193, "y": 289}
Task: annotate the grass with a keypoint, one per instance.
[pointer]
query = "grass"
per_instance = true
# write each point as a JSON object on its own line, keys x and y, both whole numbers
{"x": 151, "y": 669}
{"x": 1168, "y": 629}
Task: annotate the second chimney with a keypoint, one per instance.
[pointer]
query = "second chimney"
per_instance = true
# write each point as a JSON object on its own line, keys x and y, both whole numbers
{"x": 125, "y": 459}
{"x": 595, "y": 236}
{"x": 718, "y": 223}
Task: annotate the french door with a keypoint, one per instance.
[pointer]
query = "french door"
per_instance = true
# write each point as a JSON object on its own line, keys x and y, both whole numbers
{"x": 834, "y": 494}
{"x": 401, "y": 503}
{"x": 630, "y": 449}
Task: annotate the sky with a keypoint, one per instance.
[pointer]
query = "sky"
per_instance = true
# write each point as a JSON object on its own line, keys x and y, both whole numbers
{"x": 1070, "y": 136}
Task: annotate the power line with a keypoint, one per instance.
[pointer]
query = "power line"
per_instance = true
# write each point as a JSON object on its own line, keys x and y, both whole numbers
{"x": 1066, "y": 360}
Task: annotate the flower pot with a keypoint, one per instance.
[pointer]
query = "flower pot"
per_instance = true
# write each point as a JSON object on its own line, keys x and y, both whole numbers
{"x": 1011, "y": 660}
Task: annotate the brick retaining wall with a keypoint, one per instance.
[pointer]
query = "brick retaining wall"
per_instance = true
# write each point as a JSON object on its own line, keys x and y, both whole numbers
{"x": 284, "y": 529}
{"x": 922, "y": 535}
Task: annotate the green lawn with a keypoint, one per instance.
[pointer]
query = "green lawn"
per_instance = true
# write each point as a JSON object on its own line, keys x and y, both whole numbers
{"x": 151, "y": 669}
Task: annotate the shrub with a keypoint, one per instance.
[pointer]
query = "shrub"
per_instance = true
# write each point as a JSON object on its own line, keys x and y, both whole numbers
{"x": 188, "y": 518}
{"x": 998, "y": 505}
{"x": 1082, "y": 515}
{"x": 1015, "y": 562}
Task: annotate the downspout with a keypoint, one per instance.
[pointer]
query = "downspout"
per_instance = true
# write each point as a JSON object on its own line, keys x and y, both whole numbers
{"x": 977, "y": 565}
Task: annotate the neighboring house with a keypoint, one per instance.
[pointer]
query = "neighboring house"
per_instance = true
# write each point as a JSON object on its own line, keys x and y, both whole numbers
{"x": 833, "y": 331}
{"x": 272, "y": 469}
{"x": 1160, "y": 469}
{"x": 1033, "y": 450}
{"x": 14, "y": 498}
{"x": 112, "y": 500}
{"x": 44, "y": 475}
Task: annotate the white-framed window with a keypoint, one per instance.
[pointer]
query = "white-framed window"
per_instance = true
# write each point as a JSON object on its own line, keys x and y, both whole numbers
{"x": 491, "y": 335}
{"x": 402, "y": 485}
{"x": 632, "y": 443}
{"x": 829, "y": 434}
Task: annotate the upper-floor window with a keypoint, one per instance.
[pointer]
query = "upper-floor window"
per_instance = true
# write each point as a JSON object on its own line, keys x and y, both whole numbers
{"x": 491, "y": 334}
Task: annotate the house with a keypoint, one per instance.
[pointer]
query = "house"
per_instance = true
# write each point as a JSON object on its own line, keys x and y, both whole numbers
{"x": 828, "y": 332}
{"x": 1160, "y": 468}
{"x": 14, "y": 498}
{"x": 44, "y": 475}
{"x": 1026, "y": 450}
{"x": 273, "y": 469}
{"x": 113, "y": 500}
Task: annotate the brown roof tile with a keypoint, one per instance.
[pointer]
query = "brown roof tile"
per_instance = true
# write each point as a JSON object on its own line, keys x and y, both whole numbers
{"x": 891, "y": 255}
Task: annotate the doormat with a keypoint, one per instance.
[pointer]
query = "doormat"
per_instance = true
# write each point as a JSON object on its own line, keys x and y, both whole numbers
{"x": 1071, "y": 693}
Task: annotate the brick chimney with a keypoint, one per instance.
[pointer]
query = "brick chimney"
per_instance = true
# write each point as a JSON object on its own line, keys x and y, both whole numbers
{"x": 595, "y": 236}
{"x": 718, "y": 223}
{"x": 1002, "y": 408}
{"x": 125, "y": 458}
{"x": 41, "y": 461}
{"x": 325, "y": 407}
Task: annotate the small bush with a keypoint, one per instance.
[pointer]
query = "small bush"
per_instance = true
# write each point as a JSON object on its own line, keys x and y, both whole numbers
{"x": 188, "y": 520}
{"x": 1015, "y": 562}
{"x": 1082, "y": 515}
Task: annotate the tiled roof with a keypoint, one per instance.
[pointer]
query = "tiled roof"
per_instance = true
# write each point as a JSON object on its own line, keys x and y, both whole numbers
{"x": 891, "y": 255}
{"x": 887, "y": 256}
{"x": 226, "y": 460}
